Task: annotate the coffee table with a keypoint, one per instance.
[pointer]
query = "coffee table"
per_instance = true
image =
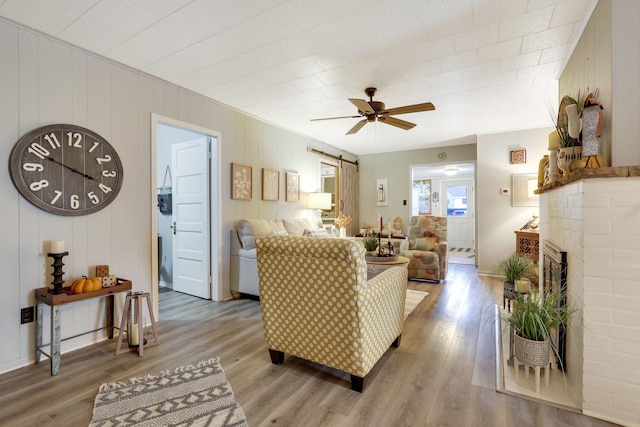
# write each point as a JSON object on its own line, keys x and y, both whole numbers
{"x": 376, "y": 267}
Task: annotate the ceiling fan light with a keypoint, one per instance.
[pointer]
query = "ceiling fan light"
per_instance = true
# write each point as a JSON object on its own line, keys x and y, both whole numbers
{"x": 451, "y": 171}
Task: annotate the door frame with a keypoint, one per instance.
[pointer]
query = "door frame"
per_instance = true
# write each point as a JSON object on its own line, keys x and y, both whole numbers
{"x": 215, "y": 206}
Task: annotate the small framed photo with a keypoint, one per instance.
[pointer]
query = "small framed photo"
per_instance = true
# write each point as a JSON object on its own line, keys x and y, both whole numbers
{"x": 292, "y": 187}
{"x": 241, "y": 182}
{"x": 270, "y": 185}
{"x": 518, "y": 157}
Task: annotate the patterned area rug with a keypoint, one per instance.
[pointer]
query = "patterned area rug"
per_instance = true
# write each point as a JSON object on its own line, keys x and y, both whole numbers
{"x": 413, "y": 299}
{"x": 197, "y": 395}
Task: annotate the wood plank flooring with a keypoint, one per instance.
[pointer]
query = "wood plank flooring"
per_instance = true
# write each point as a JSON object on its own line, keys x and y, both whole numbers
{"x": 443, "y": 373}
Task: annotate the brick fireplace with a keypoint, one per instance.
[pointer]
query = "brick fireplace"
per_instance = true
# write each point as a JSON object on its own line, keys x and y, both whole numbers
{"x": 596, "y": 220}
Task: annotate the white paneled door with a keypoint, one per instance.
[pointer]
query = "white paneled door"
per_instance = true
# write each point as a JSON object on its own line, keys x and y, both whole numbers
{"x": 459, "y": 210}
{"x": 190, "y": 165}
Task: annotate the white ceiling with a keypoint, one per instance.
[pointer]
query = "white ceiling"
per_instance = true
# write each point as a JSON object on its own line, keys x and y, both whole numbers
{"x": 487, "y": 65}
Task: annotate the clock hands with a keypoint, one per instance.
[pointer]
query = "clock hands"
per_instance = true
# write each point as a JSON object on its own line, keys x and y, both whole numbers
{"x": 72, "y": 169}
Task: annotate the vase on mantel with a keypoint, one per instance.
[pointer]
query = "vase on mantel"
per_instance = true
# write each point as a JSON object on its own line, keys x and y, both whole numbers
{"x": 566, "y": 155}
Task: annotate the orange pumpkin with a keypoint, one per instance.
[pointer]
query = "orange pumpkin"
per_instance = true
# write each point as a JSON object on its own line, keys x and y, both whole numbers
{"x": 86, "y": 284}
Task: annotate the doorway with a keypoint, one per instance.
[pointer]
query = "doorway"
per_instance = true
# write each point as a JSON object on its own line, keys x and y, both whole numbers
{"x": 185, "y": 245}
{"x": 448, "y": 191}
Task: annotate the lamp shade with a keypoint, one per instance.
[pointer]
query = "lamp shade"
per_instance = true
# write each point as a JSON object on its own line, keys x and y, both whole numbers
{"x": 320, "y": 200}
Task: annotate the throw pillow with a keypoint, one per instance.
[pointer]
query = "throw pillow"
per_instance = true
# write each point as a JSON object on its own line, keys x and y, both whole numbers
{"x": 315, "y": 233}
{"x": 279, "y": 233}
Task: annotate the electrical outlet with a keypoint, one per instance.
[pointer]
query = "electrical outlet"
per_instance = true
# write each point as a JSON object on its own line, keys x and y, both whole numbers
{"x": 26, "y": 315}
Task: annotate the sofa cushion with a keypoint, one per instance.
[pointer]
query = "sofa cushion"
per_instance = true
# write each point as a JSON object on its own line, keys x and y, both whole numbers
{"x": 250, "y": 229}
{"x": 315, "y": 233}
{"x": 296, "y": 226}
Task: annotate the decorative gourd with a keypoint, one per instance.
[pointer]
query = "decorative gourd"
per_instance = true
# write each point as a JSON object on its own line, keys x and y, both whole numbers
{"x": 86, "y": 284}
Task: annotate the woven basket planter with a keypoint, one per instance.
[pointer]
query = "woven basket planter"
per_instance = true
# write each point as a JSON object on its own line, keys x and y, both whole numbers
{"x": 533, "y": 353}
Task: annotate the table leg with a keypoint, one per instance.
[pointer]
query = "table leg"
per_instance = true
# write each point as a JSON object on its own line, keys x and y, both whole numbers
{"x": 39, "y": 321}
{"x": 110, "y": 308}
{"x": 55, "y": 339}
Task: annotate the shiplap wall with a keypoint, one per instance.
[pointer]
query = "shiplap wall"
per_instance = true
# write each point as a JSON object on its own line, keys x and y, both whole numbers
{"x": 44, "y": 81}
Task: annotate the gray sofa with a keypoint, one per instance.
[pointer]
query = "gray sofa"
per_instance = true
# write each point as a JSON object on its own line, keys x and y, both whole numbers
{"x": 244, "y": 265}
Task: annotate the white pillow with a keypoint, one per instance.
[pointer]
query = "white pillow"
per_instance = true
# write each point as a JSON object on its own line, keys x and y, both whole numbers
{"x": 279, "y": 233}
{"x": 315, "y": 233}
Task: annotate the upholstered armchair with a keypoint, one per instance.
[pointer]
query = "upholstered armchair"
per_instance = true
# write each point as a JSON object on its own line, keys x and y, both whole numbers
{"x": 317, "y": 304}
{"x": 428, "y": 249}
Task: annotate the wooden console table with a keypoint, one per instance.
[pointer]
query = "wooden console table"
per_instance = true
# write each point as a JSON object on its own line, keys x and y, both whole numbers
{"x": 527, "y": 244}
{"x": 44, "y": 296}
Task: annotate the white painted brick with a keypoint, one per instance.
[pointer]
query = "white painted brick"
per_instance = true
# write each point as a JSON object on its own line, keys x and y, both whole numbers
{"x": 597, "y": 342}
{"x": 626, "y": 287}
{"x": 597, "y": 227}
{"x": 618, "y": 388}
{"x": 602, "y": 256}
{"x": 593, "y": 284}
{"x": 612, "y": 185}
{"x": 612, "y": 358}
{"x": 629, "y": 345}
{"x": 628, "y": 318}
{"x": 597, "y": 314}
{"x": 595, "y": 200}
{"x": 626, "y": 256}
{"x": 615, "y": 332}
{"x": 593, "y": 393}
{"x": 628, "y": 403}
{"x": 622, "y": 374}
{"x": 625, "y": 199}
{"x": 631, "y": 228}
{"x": 597, "y": 369}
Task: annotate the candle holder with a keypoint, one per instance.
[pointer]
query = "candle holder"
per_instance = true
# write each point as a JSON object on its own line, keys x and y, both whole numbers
{"x": 57, "y": 272}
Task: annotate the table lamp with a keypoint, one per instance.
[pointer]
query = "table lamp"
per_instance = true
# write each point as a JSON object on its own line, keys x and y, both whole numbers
{"x": 319, "y": 201}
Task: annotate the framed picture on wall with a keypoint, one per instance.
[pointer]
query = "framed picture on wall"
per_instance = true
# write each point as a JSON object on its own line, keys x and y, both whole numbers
{"x": 522, "y": 189}
{"x": 518, "y": 157}
{"x": 292, "y": 187}
{"x": 241, "y": 182}
{"x": 270, "y": 185}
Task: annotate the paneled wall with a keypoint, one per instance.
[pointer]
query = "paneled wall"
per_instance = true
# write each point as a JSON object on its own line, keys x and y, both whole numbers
{"x": 44, "y": 81}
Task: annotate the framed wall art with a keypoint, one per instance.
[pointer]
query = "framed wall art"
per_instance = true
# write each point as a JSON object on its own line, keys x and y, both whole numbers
{"x": 522, "y": 189}
{"x": 518, "y": 157}
{"x": 270, "y": 185}
{"x": 292, "y": 182}
{"x": 241, "y": 182}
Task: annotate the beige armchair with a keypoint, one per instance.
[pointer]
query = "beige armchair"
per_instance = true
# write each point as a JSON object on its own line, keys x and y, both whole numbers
{"x": 428, "y": 248}
{"x": 318, "y": 305}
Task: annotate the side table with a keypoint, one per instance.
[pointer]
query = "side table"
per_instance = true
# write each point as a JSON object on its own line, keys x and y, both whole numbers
{"x": 376, "y": 267}
{"x": 55, "y": 301}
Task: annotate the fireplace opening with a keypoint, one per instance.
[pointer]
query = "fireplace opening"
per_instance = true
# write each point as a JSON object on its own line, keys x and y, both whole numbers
{"x": 554, "y": 279}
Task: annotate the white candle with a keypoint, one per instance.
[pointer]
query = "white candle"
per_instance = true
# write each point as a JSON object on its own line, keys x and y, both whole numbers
{"x": 57, "y": 246}
{"x": 134, "y": 334}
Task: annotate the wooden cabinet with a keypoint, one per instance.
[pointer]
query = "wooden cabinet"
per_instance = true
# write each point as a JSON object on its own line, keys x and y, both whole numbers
{"x": 527, "y": 244}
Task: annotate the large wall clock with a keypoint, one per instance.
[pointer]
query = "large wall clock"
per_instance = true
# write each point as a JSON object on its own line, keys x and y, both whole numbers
{"x": 66, "y": 169}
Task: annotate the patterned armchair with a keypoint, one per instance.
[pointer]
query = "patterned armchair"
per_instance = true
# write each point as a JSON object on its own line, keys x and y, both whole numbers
{"x": 428, "y": 249}
{"x": 318, "y": 305}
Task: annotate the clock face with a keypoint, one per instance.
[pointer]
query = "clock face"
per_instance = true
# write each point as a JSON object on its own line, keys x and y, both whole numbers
{"x": 66, "y": 169}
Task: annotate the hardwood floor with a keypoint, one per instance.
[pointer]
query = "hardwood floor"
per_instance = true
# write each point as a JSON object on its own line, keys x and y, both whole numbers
{"x": 442, "y": 374}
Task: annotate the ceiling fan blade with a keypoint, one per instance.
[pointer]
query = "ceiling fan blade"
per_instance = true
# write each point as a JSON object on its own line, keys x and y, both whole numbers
{"x": 362, "y": 105}
{"x": 402, "y": 124}
{"x": 416, "y": 108}
{"x": 357, "y": 127}
{"x": 333, "y": 118}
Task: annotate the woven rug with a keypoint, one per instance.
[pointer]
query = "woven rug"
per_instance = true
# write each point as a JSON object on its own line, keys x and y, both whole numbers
{"x": 413, "y": 299}
{"x": 191, "y": 395}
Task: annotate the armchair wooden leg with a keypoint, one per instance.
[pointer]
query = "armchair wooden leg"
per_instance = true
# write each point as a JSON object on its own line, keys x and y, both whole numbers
{"x": 396, "y": 343}
{"x": 357, "y": 383}
{"x": 277, "y": 357}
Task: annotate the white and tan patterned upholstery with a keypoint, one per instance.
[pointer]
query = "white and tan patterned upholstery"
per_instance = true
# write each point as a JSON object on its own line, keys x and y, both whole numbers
{"x": 317, "y": 304}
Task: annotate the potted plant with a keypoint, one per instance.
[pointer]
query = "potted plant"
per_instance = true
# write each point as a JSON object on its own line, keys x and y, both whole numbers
{"x": 534, "y": 318}
{"x": 370, "y": 244}
{"x": 515, "y": 268}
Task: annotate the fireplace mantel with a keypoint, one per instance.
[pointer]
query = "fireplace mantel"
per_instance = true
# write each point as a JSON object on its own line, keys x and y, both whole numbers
{"x": 586, "y": 173}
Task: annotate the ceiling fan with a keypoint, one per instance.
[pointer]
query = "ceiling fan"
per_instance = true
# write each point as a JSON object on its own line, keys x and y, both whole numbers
{"x": 375, "y": 110}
